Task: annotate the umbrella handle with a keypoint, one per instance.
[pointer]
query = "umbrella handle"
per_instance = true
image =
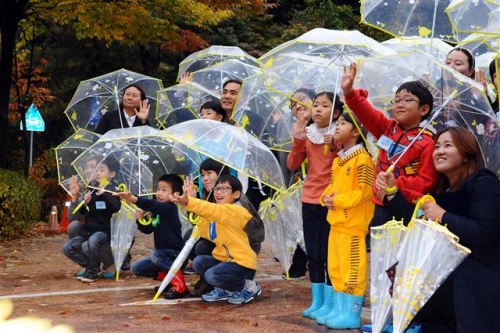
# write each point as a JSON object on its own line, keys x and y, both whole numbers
{"x": 420, "y": 201}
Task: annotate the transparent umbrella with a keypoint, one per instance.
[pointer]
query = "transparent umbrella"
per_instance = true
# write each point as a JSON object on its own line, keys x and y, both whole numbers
{"x": 101, "y": 94}
{"x": 182, "y": 102}
{"x": 282, "y": 216}
{"x": 68, "y": 151}
{"x": 468, "y": 16}
{"x": 123, "y": 227}
{"x": 432, "y": 46}
{"x": 428, "y": 254}
{"x": 213, "y": 55}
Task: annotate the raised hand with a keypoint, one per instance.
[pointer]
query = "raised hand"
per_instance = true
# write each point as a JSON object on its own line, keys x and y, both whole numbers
{"x": 185, "y": 77}
{"x": 127, "y": 196}
{"x": 74, "y": 187}
{"x": 143, "y": 111}
{"x": 299, "y": 128}
{"x": 347, "y": 80}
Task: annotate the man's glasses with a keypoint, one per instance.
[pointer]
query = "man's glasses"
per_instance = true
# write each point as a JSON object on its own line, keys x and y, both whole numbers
{"x": 405, "y": 101}
{"x": 222, "y": 189}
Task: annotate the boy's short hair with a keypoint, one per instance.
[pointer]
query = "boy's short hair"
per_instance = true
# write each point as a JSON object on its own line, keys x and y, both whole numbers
{"x": 112, "y": 163}
{"x": 352, "y": 119}
{"x": 232, "y": 180}
{"x": 174, "y": 180}
{"x": 418, "y": 89}
{"x": 216, "y": 107}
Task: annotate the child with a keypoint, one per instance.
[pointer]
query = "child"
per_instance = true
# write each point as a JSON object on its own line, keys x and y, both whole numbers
{"x": 415, "y": 173}
{"x": 231, "y": 267}
{"x": 350, "y": 209}
{"x": 166, "y": 228}
{"x": 210, "y": 171}
{"x": 99, "y": 206}
{"x": 213, "y": 110}
{"x": 309, "y": 142}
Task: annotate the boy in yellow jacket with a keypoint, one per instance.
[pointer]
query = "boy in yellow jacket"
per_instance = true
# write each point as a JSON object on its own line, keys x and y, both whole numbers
{"x": 231, "y": 267}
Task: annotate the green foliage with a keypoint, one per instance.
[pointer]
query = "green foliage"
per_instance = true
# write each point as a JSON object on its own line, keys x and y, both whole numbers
{"x": 20, "y": 204}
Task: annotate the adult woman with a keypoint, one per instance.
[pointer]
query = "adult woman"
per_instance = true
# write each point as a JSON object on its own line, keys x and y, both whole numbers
{"x": 468, "y": 203}
{"x": 133, "y": 111}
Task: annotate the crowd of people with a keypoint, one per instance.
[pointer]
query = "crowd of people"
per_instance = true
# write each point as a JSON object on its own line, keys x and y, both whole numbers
{"x": 344, "y": 193}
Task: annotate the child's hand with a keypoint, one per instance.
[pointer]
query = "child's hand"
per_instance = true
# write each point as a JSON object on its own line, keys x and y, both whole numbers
{"x": 139, "y": 214}
{"x": 328, "y": 140}
{"x": 100, "y": 191}
{"x": 276, "y": 116}
{"x": 187, "y": 188}
{"x": 87, "y": 197}
{"x": 129, "y": 197}
{"x": 328, "y": 200}
{"x": 347, "y": 80}
{"x": 481, "y": 78}
{"x": 184, "y": 77}
{"x": 384, "y": 180}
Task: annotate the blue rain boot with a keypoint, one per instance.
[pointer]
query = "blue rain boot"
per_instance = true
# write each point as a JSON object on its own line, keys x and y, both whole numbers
{"x": 327, "y": 303}
{"x": 317, "y": 292}
{"x": 351, "y": 313}
{"x": 338, "y": 299}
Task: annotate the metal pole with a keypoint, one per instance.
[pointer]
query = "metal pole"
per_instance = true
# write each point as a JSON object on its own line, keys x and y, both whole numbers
{"x": 31, "y": 148}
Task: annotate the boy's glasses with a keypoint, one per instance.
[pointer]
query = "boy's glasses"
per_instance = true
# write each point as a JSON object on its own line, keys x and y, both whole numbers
{"x": 222, "y": 189}
{"x": 405, "y": 101}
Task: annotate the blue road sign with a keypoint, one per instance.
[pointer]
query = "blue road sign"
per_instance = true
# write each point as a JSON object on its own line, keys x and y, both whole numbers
{"x": 34, "y": 120}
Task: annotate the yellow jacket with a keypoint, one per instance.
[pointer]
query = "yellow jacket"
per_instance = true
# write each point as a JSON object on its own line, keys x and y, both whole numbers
{"x": 223, "y": 225}
{"x": 351, "y": 178}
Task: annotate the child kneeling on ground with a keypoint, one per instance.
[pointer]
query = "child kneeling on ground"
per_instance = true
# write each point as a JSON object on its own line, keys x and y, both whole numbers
{"x": 231, "y": 267}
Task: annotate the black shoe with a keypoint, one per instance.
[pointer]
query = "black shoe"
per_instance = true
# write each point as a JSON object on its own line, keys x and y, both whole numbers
{"x": 200, "y": 288}
{"x": 89, "y": 277}
{"x": 174, "y": 294}
{"x": 126, "y": 263}
{"x": 166, "y": 288}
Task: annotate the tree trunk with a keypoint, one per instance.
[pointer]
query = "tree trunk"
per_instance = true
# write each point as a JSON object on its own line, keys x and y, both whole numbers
{"x": 11, "y": 12}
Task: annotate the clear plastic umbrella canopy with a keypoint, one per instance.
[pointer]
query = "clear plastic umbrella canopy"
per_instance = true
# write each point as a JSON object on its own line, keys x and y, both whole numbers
{"x": 468, "y": 16}
{"x": 458, "y": 100}
{"x": 182, "y": 102}
{"x": 68, "y": 151}
{"x": 315, "y": 59}
{"x": 282, "y": 216}
{"x": 213, "y": 77}
{"x": 256, "y": 100}
{"x": 385, "y": 242}
{"x": 425, "y": 18}
{"x": 428, "y": 254}
{"x": 101, "y": 94}
{"x": 144, "y": 154}
{"x": 231, "y": 146}
{"x": 432, "y": 46}
{"x": 481, "y": 43}
{"x": 123, "y": 227}
{"x": 213, "y": 55}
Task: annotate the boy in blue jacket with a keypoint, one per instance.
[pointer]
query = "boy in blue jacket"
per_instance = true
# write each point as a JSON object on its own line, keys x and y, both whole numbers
{"x": 166, "y": 228}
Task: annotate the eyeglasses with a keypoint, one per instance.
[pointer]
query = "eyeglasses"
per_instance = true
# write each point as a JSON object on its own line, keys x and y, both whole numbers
{"x": 405, "y": 101}
{"x": 293, "y": 102}
{"x": 222, "y": 189}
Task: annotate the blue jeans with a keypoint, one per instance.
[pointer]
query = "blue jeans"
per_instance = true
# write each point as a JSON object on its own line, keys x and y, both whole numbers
{"x": 316, "y": 232}
{"x": 99, "y": 250}
{"x": 159, "y": 260}
{"x": 224, "y": 275}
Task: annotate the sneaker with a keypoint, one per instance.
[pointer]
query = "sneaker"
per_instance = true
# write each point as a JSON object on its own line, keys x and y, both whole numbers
{"x": 201, "y": 288}
{"x": 126, "y": 262}
{"x": 107, "y": 275}
{"x": 89, "y": 277}
{"x": 216, "y": 295}
{"x": 188, "y": 271}
{"x": 246, "y": 295}
{"x": 80, "y": 274}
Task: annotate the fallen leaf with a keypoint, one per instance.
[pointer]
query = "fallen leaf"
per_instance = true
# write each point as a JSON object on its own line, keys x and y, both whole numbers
{"x": 165, "y": 317}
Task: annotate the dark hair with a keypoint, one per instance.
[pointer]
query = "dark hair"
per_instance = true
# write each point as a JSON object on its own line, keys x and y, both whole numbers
{"x": 112, "y": 163}
{"x": 143, "y": 93}
{"x": 470, "y": 59}
{"x": 493, "y": 70}
{"x": 174, "y": 181}
{"x": 216, "y": 107}
{"x": 468, "y": 147}
{"x": 352, "y": 119}
{"x": 212, "y": 165}
{"x": 418, "y": 89}
{"x": 232, "y": 180}
{"x": 309, "y": 92}
{"x": 231, "y": 81}
{"x": 338, "y": 105}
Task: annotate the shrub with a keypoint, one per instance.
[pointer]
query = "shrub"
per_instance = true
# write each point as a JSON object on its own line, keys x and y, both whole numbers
{"x": 20, "y": 204}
